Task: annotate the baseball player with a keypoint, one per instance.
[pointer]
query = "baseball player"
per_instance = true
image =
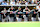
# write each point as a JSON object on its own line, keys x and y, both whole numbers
{"x": 4, "y": 15}
{"x": 39, "y": 13}
{"x": 12, "y": 15}
{"x": 34, "y": 14}
{"x": 19, "y": 15}
{"x": 26, "y": 10}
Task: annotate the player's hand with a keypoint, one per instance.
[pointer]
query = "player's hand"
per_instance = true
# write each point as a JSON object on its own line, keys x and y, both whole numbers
{"x": 18, "y": 12}
{"x": 11, "y": 12}
{"x": 34, "y": 12}
{"x": 26, "y": 12}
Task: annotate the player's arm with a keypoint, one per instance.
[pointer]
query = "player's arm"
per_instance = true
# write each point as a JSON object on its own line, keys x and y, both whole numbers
{"x": 29, "y": 10}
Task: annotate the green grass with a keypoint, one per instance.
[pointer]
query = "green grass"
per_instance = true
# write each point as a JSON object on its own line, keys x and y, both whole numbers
{"x": 19, "y": 24}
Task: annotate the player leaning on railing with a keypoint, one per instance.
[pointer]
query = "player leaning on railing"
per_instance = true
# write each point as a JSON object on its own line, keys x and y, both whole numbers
{"x": 25, "y": 16}
{"x": 34, "y": 14}
{"x": 4, "y": 14}
{"x": 19, "y": 15}
{"x": 12, "y": 14}
{"x": 39, "y": 13}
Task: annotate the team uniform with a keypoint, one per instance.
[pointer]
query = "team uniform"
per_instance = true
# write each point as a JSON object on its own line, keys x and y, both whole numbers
{"x": 3, "y": 16}
{"x": 25, "y": 16}
{"x": 39, "y": 14}
{"x": 7, "y": 16}
{"x": 34, "y": 15}
{"x": 0, "y": 17}
{"x": 38, "y": 7}
{"x": 19, "y": 18}
{"x": 12, "y": 16}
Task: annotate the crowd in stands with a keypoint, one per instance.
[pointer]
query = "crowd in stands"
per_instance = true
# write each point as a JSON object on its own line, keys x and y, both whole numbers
{"x": 19, "y": 2}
